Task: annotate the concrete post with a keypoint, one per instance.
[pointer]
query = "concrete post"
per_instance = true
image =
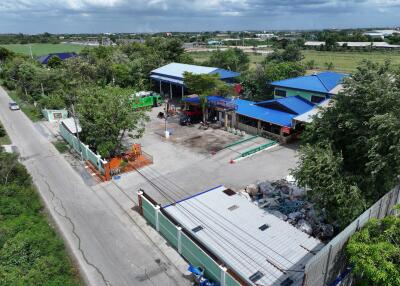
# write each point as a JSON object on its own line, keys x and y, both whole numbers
{"x": 258, "y": 127}
{"x": 157, "y": 214}
{"x": 140, "y": 202}
{"x": 223, "y": 275}
{"x": 160, "y": 87}
{"x": 179, "y": 240}
{"x": 170, "y": 90}
{"x": 226, "y": 119}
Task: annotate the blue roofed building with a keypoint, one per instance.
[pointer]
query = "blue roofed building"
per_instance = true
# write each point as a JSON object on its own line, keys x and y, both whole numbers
{"x": 315, "y": 88}
{"x": 63, "y": 56}
{"x": 168, "y": 79}
{"x": 272, "y": 118}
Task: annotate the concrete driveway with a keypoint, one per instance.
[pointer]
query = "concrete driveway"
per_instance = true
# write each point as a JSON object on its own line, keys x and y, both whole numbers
{"x": 110, "y": 243}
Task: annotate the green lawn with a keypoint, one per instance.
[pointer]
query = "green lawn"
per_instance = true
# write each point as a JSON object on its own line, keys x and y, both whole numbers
{"x": 348, "y": 61}
{"x": 342, "y": 61}
{"x": 43, "y": 49}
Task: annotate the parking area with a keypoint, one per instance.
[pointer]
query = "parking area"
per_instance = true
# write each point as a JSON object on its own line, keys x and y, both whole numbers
{"x": 193, "y": 160}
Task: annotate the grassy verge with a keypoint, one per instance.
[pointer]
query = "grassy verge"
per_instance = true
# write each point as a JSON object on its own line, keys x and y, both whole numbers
{"x": 31, "y": 252}
{"x": 4, "y": 139}
{"x": 61, "y": 146}
{"x": 43, "y": 49}
{"x": 29, "y": 109}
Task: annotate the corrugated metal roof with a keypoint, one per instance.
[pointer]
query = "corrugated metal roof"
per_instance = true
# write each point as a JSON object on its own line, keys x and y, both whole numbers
{"x": 69, "y": 123}
{"x": 250, "y": 109}
{"x": 296, "y": 104}
{"x": 63, "y": 56}
{"x": 322, "y": 82}
{"x": 308, "y": 116}
{"x": 246, "y": 238}
{"x": 176, "y": 71}
{"x": 167, "y": 79}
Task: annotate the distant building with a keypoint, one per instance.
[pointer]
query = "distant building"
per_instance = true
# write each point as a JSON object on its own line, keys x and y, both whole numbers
{"x": 315, "y": 88}
{"x": 265, "y": 36}
{"x": 214, "y": 43}
{"x": 63, "y": 56}
{"x": 375, "y": 45}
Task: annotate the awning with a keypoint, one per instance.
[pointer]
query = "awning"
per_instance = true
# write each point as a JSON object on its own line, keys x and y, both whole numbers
{"x": 167, "y": 79}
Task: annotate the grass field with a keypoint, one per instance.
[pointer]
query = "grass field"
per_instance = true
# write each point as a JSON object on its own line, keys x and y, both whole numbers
{"x": 342, "y": 61}
{"x": 43, "y": 49}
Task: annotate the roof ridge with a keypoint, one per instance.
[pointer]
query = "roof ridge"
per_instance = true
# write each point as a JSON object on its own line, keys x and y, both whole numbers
{"x": 316, "y": 75}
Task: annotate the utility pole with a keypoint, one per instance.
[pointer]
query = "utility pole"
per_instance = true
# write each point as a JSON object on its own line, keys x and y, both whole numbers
{"x": 77, "y": 131}
{"x": 166, "y": 117}
{"x": 30, "y": 50}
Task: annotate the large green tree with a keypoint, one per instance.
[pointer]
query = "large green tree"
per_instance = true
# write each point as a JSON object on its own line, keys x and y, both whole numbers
{"x": 374, "y": 253}
{"x": 106, "y": 116}
{"x": 230, "y": 59}
{"x": 204, "y": 85}
{"x": 361, "y": 130}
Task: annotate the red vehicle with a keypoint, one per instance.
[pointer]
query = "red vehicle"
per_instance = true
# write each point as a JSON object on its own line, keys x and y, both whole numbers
{"x": 193, "y": 114}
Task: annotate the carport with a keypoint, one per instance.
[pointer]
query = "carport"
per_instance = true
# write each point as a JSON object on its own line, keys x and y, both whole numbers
{"x": 169, "y": 79}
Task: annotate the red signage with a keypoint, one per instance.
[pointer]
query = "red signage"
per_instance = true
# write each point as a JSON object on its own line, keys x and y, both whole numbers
{"x": 286, "y": 130}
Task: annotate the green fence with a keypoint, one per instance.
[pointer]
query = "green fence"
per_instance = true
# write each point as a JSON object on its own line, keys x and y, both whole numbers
{"x": 80, "y": 147}
{"x": 256, "y": 149}
{"x": 193, "y": 253}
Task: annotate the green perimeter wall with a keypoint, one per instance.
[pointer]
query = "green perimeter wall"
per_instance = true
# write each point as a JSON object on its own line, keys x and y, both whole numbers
{"x": 293, "y": 92}
{"x": 189, "y": 249}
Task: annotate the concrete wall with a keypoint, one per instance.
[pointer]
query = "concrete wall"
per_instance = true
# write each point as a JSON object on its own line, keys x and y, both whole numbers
{"x": 54, "y": 115}
{"x": 292, "y": 92}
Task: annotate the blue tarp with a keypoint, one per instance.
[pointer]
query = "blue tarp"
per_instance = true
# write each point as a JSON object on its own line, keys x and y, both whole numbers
{"x": 323, "y": 82}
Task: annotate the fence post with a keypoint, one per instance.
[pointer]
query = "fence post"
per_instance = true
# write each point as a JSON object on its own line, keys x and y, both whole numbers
{"x": 157, "y": 213}
{"x": 179, "y": 239}
{"x": 140, "y": 202}
{"x": 223, "y": 275}
{"x": 327, "y": 264}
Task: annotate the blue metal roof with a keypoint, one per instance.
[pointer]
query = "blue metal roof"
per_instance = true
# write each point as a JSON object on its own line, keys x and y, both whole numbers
{"x": 176, "y": 71}
{"x": 323, "y": 82}
{"x": 63, "y": 56}
{"x": 295, "y": 104}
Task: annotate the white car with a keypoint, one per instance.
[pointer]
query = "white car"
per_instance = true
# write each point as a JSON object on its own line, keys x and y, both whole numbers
{"x": 13, "y": 106}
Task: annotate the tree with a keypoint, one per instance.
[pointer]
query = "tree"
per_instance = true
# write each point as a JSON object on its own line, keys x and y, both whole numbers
{"x": 361, "y": 130}
{"x": 5, "y": 54}
{"x": 255, "y": 82}
{"x": 204, "y": 85}
{"x": 292, "y": 53}
{"x": 54, "y": 62}
{"x": 106, "y": 116}
{"x": 374, "y": 252}
{"x": 230, "y": 59}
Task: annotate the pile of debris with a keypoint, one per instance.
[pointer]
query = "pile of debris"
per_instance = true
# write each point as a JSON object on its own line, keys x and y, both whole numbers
{"x": 288, "y": 202}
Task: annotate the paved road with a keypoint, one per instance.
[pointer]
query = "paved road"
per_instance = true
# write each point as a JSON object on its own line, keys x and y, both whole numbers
{"x": 107, "y": 243}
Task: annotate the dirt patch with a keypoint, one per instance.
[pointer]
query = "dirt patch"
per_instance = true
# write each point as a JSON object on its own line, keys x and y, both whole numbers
{"x": 209, "y": 141}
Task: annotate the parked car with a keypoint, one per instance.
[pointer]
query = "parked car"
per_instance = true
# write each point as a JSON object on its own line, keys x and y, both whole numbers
{"x": 13, "y": 106}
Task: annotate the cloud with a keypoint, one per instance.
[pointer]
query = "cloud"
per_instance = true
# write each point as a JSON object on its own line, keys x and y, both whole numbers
{"x": 133, "y": 15}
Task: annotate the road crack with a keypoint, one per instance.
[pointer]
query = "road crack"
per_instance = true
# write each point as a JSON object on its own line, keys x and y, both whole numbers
{"x": 64, "y": 214}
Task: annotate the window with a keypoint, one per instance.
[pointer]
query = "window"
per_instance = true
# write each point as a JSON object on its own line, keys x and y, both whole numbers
{"x": 229, "y": 192}
{"x": 317, "y": 99}
{"x": 234, "y": 207}
{"x": 280, "y": 92}
{"x": 197, "y": 229}
{"x": 263, "y": 227}
{"x": 256, "y": 276}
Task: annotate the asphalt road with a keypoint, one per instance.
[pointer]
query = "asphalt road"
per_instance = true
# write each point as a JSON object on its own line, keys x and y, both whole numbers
{"x": 109, "y": 247}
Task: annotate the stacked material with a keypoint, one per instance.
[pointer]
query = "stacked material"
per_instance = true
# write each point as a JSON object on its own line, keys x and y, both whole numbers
{"x": 289, "y": 202}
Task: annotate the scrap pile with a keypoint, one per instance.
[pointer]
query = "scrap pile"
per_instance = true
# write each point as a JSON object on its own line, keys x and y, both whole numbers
{"x": 288, "y": 202}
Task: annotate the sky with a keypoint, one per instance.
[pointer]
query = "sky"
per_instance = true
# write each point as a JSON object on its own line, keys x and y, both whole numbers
{"x": 132, "y": 16}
